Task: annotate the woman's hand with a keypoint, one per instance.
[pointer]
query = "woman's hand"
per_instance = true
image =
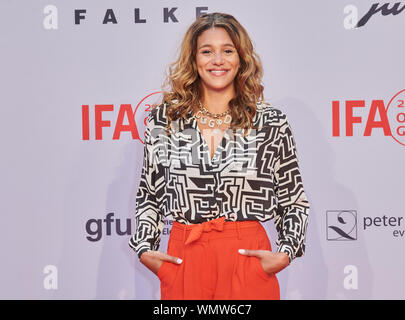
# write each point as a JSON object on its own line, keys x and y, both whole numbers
{"x": 272, "y": 262}
{"x": 153, "y": 259}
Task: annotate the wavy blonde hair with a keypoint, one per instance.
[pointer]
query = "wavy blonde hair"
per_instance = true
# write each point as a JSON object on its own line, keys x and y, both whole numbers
{"x": 183, "y": 80}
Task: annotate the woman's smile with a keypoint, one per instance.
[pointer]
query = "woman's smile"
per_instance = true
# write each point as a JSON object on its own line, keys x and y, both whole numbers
{"x": 218, "y": 72}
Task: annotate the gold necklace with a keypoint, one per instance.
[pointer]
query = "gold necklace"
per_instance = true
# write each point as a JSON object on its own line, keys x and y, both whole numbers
{"x": 203, "y": 113}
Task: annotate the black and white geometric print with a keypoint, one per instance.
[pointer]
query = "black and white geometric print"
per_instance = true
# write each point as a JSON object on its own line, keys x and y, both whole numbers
{"x": 252, "y": 177}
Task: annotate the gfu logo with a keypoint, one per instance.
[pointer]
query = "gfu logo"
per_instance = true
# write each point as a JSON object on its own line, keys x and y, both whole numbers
{"x": 341, "y": 225}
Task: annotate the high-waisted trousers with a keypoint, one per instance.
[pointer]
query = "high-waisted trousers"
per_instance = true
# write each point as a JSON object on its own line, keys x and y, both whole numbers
{"x": 212, "y": 267}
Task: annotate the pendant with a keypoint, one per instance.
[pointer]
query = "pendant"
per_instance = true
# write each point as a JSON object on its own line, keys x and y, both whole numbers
{"x": 211, "y": 123}
{"x": 228, "y": 119}
{"x": 203, "y": 120}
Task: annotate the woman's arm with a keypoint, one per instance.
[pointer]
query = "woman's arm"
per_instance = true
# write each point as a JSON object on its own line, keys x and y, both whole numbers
{"x": 293, "y": 207}
{"x": 148, "y": 217}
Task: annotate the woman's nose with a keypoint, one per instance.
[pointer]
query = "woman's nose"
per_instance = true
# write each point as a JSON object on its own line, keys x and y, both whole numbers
{"x": 218, "y": 58}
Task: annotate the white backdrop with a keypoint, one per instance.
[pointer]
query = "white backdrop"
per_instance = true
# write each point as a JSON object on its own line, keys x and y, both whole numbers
{"x": 68, "y": 180}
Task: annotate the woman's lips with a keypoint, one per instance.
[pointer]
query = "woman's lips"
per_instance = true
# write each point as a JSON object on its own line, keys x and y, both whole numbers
{"x": 218, "y": 73}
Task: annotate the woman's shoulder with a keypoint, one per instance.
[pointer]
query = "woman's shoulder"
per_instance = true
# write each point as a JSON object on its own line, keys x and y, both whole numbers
{"x": 270, "y": 114}
{"x": 158, "y": 120}
{"x": 157, "y": 116}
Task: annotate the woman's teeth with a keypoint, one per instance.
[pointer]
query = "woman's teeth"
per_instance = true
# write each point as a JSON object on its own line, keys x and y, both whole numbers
{"x": 218, "y": 72}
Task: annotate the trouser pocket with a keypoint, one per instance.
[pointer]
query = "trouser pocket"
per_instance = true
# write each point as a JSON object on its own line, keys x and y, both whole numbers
{"x": 169, "y": 271}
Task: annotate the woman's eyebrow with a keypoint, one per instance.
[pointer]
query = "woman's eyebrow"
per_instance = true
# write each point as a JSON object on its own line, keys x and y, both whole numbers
{"x": 224, "y": 45}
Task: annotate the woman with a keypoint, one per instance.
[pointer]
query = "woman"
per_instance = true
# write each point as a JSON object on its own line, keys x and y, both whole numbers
{"x": 220, "y": 161}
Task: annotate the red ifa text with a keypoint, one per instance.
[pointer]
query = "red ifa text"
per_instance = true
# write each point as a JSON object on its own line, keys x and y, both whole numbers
{"x": 125, "y": 113}
{"x": 377, "y": 106}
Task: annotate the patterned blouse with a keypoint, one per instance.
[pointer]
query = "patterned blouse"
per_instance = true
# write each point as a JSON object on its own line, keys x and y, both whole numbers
{"x": 255, "y": 177}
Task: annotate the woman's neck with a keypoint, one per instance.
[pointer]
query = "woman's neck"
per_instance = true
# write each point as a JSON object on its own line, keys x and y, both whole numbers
{"x": 217, "y": 101}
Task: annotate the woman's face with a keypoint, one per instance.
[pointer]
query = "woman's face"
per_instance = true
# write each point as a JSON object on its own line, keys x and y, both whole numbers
{"x": 217, "y": 59}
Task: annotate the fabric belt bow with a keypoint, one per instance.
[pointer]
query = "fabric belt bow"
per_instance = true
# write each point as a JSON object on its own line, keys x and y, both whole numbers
{"x": 216, "y": 224}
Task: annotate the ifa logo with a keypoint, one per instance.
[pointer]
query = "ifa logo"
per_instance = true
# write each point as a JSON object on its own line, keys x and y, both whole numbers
{"x": 108, "y": 120}
{"x": 366, "y": 119}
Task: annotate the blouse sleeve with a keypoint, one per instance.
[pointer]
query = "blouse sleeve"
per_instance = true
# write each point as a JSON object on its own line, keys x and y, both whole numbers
{"x": 292, "y": 214}
{"x": 148, "y": 217}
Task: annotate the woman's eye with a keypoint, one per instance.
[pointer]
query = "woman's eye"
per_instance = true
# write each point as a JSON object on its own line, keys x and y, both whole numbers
{"x": 228, "y": 51}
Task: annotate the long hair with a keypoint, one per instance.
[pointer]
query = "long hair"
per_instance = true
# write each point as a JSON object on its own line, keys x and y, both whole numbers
{"x": 183, "y": 80}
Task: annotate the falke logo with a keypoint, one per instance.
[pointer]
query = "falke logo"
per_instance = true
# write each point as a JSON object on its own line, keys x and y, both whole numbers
{"x": 168, "y": 15}
{"x": 352, "y": 20}
{"x": 341, "y": 225}
{"x": 389, "y": 120}
{"x": 96, "y": 119}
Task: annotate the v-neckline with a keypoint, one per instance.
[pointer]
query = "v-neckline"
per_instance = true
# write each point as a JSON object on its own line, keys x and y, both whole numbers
{"x": 205, "y": 144}
{"x": 194, "y": 124}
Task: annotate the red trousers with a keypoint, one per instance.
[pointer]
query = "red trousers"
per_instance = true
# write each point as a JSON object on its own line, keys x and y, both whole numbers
{"x": 212, "y": 267}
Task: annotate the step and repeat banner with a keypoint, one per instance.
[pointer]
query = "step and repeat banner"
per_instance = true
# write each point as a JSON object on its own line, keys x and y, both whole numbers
{"x": 78, "y": 79}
